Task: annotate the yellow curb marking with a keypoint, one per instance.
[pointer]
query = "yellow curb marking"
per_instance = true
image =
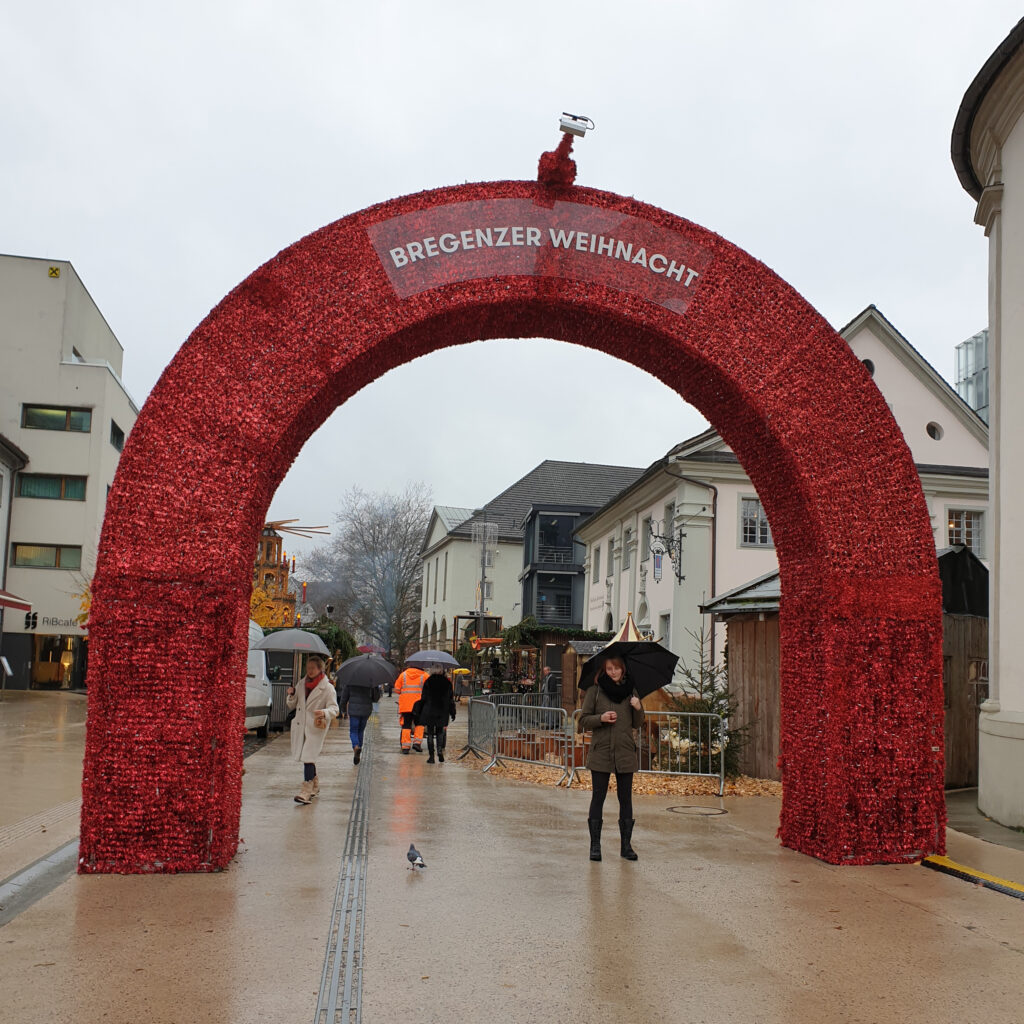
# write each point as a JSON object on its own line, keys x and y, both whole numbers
{"x": 974, "y": 873}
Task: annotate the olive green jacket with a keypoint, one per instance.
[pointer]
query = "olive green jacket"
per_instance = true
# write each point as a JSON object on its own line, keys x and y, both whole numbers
{"x": 612, "y": 746}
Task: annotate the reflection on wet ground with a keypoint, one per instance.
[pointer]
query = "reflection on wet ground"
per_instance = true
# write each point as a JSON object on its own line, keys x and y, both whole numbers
{"x": 509, "y": 922}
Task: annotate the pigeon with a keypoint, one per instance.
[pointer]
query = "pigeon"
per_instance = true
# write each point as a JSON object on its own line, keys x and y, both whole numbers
{"x": 414, "y": 858}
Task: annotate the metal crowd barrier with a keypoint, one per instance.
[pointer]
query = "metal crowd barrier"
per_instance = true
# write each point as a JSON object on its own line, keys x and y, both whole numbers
{"x": 532, "y": 733}
{"x": 670, "y": 743}
{"x": 515, "y": 727}
{"x": 530, "y": 699}
{"x": 482, "y": 718}
{"x": 278, "y": 707}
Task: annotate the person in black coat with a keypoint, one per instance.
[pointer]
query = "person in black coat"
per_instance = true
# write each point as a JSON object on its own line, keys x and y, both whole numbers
{"x": 437, "y": 706}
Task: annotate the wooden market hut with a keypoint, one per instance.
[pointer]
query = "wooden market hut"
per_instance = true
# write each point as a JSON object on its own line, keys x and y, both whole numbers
{"x": 751, "y": 615}
{"x": 574, "y": 655}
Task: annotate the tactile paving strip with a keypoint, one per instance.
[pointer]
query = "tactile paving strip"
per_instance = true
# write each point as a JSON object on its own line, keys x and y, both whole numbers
{"x": 341, "y": 985}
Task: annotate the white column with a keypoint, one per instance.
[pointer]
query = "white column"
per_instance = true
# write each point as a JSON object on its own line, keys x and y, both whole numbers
{"x": 1001, "y": 723}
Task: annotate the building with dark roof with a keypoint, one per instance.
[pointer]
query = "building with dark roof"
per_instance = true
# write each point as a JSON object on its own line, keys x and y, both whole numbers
{"x": 473, "y": 559}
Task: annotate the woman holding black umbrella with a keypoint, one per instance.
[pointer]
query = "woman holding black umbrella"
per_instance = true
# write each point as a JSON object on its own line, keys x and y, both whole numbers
{"x": 611, "y": 711}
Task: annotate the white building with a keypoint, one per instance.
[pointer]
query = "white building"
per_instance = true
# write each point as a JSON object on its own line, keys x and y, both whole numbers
{"x": 988, "y": 154}
{"x": 454, "y": 566}
{"x": 63, "y": 405}
{"x": 699, "y": 498}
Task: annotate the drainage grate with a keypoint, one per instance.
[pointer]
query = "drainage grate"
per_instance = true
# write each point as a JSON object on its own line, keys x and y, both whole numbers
{"x": 341, "y": 986}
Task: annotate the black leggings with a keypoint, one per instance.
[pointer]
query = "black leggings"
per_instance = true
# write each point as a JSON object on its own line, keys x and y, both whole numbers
{"x": 624, "y": 788}
{"x": 438, "y": 733}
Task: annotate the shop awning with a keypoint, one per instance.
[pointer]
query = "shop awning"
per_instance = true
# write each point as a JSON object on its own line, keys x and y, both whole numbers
{"x": 9, "y": 600}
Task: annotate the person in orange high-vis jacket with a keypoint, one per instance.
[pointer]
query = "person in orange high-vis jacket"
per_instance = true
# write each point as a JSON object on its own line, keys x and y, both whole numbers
{"x": 409, "y": 687}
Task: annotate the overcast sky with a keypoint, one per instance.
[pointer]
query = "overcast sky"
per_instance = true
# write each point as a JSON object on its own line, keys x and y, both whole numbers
{"x": 169, "y": 150}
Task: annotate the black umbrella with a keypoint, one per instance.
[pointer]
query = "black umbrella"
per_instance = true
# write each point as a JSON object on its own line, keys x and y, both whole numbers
{"x": 366, "y": 670}
{"x": 649, "y": 666}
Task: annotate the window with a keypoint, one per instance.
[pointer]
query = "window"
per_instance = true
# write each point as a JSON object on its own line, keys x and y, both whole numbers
{"x": 627, "y": 540}
{"x": 965, "y": 527}
{"x": 596, "y": 558}
{"x": 426, "y": 589}
{"x": 488, "y": 590}
{"x": 47, "y": 556}
{"x": 444, "y": 585}
{"x": 754, "y": 524}
{"x": 42, "y": 485}
{"x": 645, "y": 539}
{"x": 116, "y": 436}
{"x": 45, "y": 417}
{"x": 670, "y": 517}
{"x": 489, "y": 557}
{"x": 664, "y": 629}
{"x": 610, "y": 571}
{"x": 436, "y": 563}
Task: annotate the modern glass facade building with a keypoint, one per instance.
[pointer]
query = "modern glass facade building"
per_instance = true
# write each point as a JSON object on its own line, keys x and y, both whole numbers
{"x": 972, "y": 372}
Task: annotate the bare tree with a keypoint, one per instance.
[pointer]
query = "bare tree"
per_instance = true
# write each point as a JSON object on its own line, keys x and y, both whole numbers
{"x": 374, "y": 565}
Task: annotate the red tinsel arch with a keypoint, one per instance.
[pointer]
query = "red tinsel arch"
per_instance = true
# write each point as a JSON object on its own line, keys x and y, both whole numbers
{"x": 861, "y": 714}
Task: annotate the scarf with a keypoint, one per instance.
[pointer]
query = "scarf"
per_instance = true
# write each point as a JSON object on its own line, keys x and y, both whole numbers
{"x": 616, "y": 692}
{"x": 312, "y": 684}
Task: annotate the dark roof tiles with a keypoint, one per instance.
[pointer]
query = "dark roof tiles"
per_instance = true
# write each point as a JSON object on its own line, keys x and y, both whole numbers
{"x": 574, "y": 483}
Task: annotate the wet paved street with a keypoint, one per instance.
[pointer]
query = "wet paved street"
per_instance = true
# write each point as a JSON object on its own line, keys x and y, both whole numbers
{"x": 509, "y": 921}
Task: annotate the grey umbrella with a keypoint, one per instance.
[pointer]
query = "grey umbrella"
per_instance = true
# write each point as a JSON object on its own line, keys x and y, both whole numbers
{"x": 366, "y": 670}
{"x": 431, "y": 658}
{"x": 292, "y": 640}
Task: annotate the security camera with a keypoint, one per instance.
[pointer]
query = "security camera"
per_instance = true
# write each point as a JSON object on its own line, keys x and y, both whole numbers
{"x": 575, "y": 124}
{"x": 330, "y": 609}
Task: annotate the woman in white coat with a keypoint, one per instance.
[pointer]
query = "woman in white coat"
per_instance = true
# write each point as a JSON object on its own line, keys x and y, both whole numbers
{"x": 315, "y": 706}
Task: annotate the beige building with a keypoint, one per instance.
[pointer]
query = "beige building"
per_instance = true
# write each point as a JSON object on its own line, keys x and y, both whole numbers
{"x": 988, "y": 153}
{"x": 693, "y": 527}
{"x": 63, "y": 405}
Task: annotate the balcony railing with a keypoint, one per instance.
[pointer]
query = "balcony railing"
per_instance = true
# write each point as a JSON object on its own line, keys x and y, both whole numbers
{"x": 552, "y": 554}
{"x": 554, "y": 614}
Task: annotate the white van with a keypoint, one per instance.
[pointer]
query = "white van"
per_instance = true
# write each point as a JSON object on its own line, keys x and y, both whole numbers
{"x": 258, "y": 695}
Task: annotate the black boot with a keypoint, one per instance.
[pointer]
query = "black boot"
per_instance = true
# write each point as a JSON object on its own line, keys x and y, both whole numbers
{"x": 442, "y": 742}
{"x": 625, "y": 834}
{"x": 430, "y": 748}
{"x": 595, "y": 838}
